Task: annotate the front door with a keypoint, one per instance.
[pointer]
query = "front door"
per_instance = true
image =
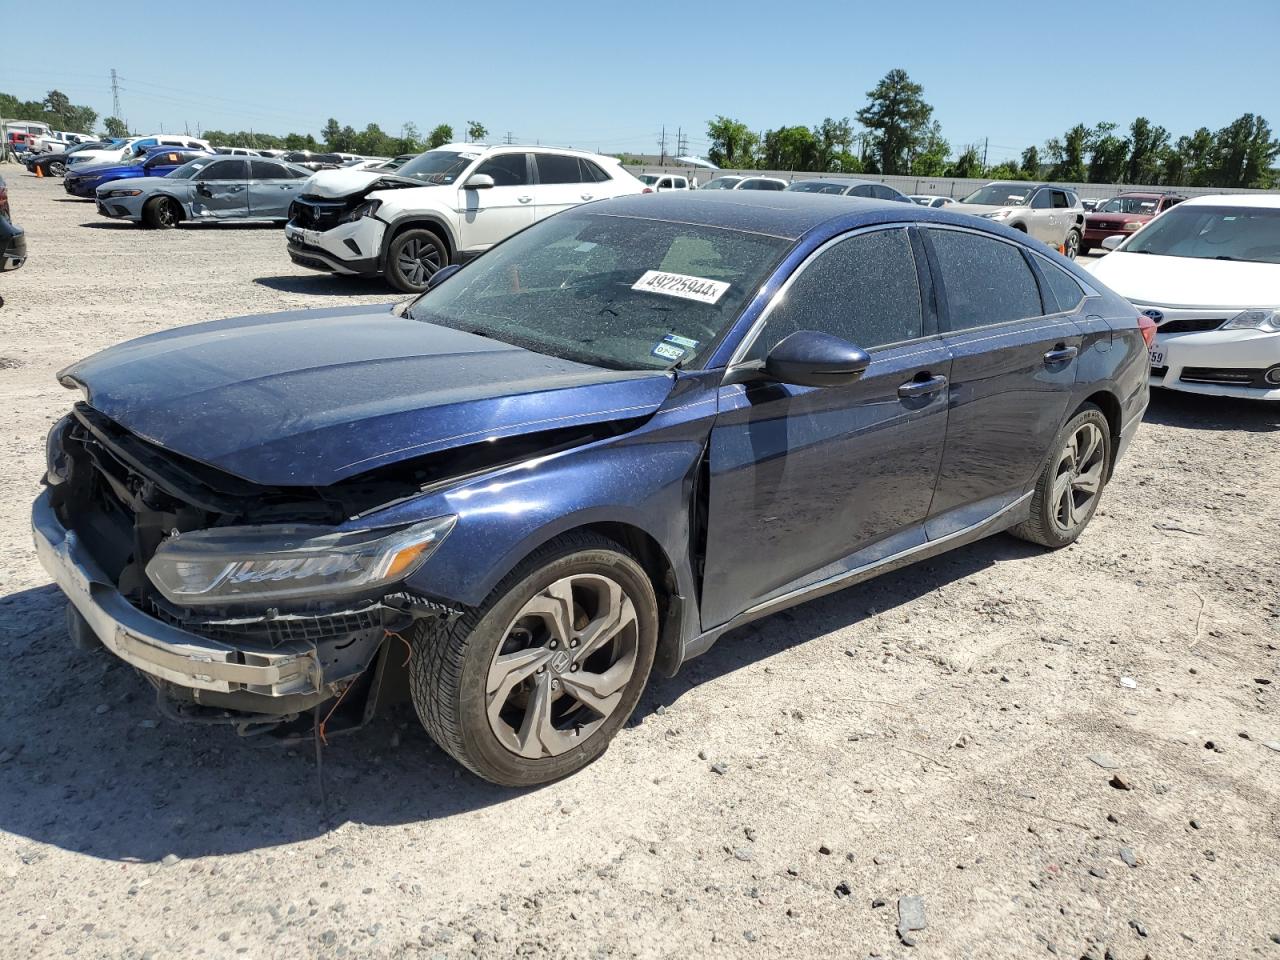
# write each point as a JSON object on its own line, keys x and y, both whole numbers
{"x": 803, "y": 477}
{"x": 1013, "y": 367}
{"x": 221, "y": 190}
{"x": 490, "y": 215}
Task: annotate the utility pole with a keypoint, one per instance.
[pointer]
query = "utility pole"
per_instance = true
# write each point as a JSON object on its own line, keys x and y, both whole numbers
{"x": 985, "y": 141}
{"x": 682, "y": 145}
{"x": 115, "y": 93}
{"x": 509, "y": 137}
{"x": 662, "y": 146}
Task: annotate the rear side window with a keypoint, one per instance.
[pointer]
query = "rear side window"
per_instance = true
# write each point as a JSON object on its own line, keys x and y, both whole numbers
{"x": 1062, "y": 286}
{"x": 507, "y": 170}
{"x": 863, "y": 289}
{"x": 557, "y": 168}
{"x": 862, "y": 190}
{"x": 265, "y": 170}
{"x": 591, "y": 173}
{"x": 987, "y": 280}
{"x": 1061, "y": 200}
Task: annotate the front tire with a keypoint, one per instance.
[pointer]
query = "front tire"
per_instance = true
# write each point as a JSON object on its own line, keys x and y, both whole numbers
{"x": 1070, "y": 486}
{"x": 57, "y": 168}
{"x": 413, "y": 259}
{"x": 161, "y": 213}
{"x": 533, "y": 685}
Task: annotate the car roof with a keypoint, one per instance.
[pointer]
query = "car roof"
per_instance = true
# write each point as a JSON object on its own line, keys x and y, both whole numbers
{"x": 1269, "y": 201}
{"x": 785, "y": 214}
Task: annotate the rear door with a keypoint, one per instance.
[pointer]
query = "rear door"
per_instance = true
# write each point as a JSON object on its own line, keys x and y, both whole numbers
{"x": 222, "y": 191}
{"x": 804, "y": 477}
{"x": 1041, "y": 219}
{"x": 272, "y": 188}
{"x": 489, "y": 216}
{"x": 563, "y": 183}
{"x": 1012, "y": 373}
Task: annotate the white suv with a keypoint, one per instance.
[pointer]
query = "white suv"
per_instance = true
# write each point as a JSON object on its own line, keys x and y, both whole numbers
{"x": 443, "y": 206}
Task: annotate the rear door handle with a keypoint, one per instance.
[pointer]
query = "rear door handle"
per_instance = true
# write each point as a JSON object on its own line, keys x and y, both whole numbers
{"x": 1061, "y": 354}
{"x": 524, "y": 199}
{"x": 921, "y": 388}
{"x": 587, "y": 196}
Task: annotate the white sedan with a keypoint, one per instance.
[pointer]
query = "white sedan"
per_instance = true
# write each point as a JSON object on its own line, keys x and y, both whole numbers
{"x": 1208, "y": 273}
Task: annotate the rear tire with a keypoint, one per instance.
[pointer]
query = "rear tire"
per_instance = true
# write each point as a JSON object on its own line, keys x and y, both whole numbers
{"x": 161, "y": 213}
{"x": 533, "y": 684}
{"x": 1071, "y": 247}
{"x": 1070, "y": 486}
{"x": 413, "y": 259}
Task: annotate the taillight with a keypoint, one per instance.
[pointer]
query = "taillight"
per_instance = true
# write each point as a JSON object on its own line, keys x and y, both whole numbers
{"x": 1147, "y": 327}
{"x": 647, "y": 190}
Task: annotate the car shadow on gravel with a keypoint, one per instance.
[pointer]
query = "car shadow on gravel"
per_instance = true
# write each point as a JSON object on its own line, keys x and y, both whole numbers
{"x": 1195, "y": 412}
{"x": 331, "y": 285}
{"x": 88, "y": 765}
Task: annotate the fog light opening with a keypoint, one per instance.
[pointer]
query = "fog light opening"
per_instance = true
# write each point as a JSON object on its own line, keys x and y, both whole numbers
{"x": 1272, "y": 376}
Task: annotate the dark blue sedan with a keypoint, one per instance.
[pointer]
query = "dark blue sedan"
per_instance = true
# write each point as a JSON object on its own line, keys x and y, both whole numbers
{"x": 157, "y": 162}
{"x": 587, "y": 454}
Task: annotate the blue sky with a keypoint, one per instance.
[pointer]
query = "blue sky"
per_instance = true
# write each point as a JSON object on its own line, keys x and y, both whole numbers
{"x": 610, "y": 75}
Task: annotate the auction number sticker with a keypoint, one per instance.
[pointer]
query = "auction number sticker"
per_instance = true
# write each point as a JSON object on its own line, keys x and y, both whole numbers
{"x": 682, "y": 286}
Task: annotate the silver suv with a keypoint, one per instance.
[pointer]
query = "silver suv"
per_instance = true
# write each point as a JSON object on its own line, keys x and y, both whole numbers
{"x": 1051, "y": 214}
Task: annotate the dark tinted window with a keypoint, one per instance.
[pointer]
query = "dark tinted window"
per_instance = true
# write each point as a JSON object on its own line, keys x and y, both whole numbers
{"x": 265, "y": 170}
{"x": 507, "y": 170}
{"x": 1062, "y": 286}
{"x": 555, "y": 168}
{"x": 987, "y": 280}
{"x": 762, "y": 185}
{"x": 863, "y": 289}
{"x": 591, "y": 173}
{"x": 1061, "y": 200}
{"x": 225, "y": 170}
{"x": 862, "y": 190}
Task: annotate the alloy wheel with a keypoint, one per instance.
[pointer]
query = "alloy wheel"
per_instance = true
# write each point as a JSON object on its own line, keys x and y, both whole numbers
{"x": 563, "y": 666}
{"x": 1078, "y": 478}
{"x": 165, "y": 214}
{"x": 1072, "y": 247}
{"x": 56, "y": 169}
{"x": 418, "y": 261}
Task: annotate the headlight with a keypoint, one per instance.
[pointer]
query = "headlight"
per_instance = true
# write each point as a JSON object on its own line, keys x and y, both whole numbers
{"x": 124, "y": 193}
{"x": 55, "y": 457}
{"x": 996, "y": 214}
{"x": 1131, "y": 225}
{"x": 366, "y": 209}
{"x": 1267, "y": 321}
{"x": 246, "y": 564}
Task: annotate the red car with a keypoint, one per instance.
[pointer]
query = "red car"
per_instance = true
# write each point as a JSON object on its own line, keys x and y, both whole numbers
{"x": 1122, "y": 215}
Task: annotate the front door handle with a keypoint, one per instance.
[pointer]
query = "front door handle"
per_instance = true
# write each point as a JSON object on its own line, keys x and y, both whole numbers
{"x": 922, "y": 388}
{"x": 587, "y": 196}
{"x": 1061, "y": 354}
{"x": 524, "y": 199}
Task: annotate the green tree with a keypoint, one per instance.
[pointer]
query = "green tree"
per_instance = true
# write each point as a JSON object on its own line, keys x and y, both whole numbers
{"x": 331, "y": 132}
{"x": 115, "y": 127}
{"x": 1147, "y": 145}
{"x": 439, "y": 136}
{"x": 1030, "y": 166}
{"x": 733, "y": 145}
{"x": 967, "y": 165}
{"x": 410, "y": 138}
{"x": 1066, "y": 156}
{"x": 1109, "y": 155}
{"x": 1005, "y": 171}
{"x": 1192, "y": 161}
{"x": 790, "y": 148}
{"x": 834, "y": 138}
{"x": 1245, "y": 152}
{"x": 476, "y": 131}
{"x": 931, "y": 160}
{"x": 898, "y": 118}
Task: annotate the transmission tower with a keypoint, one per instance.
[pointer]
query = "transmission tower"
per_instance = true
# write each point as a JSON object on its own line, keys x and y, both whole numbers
{"x": 115, "y": 94}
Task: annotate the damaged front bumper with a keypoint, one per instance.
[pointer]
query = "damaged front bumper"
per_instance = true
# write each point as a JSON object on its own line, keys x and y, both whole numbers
{"x": 290, "y": 670}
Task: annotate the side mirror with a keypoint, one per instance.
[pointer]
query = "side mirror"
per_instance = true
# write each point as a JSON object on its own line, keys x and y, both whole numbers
{"x": 807, "y": 358}
{"x": 478, "y": 181}
{"x": 441, "y": 275}
{"x": 1110, "y": 243}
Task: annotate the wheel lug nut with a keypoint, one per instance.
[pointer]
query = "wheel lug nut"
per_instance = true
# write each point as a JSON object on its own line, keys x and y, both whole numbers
{"x": 574, "y": 668}
{"x": 573, "y": 643}
{"x": 542, "y": 669}
{"x": 553, "y": 644}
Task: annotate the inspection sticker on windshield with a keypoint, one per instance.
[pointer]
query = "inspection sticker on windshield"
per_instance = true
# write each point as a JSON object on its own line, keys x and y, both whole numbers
{"x": 673, "y": 347}
{"x": 679, "y": 285}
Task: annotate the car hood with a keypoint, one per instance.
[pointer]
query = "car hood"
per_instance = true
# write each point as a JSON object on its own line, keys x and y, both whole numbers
{"x": 978, "y": 209}
{"x": 101, "y": 169}
{"x": 310, "y": 397}
{"x": 1188, "y": 281}
{"x": 329, "y": 184}
{"x": 145, "y": 184}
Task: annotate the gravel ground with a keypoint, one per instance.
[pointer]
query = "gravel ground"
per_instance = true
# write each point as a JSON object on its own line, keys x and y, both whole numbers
{"x": 1059, "y": 753}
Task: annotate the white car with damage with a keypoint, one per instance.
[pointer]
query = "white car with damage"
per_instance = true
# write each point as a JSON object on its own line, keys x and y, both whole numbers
{"x": 443, "y": 207}
{"x": 1208, "y": 273}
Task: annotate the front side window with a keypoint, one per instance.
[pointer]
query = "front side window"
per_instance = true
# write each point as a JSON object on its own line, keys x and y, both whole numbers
{"x": 987, "y": 280}
{"x": 557, "y": 168}
{"x": 615, "y": 292}
{"x": 1043, "y": 200}
{"x": 1250, "y": 234}
{"x": 507, "y": 170}
{"x": 224, "y": 170}
{"x": 864, "y": 290}
{"x": 190, "y": 168}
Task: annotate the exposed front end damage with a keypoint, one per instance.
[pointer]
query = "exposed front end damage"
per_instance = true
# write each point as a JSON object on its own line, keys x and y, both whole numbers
{"x": 113, "y": 499}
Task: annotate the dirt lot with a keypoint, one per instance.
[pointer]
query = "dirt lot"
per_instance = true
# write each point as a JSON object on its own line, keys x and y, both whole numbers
{"x": 928, "y": 733}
